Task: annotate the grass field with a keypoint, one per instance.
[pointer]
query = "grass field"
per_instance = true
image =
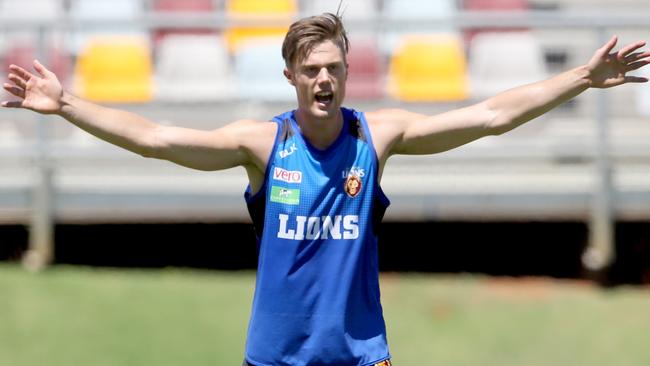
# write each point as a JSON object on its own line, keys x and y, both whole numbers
{"x": 92, "y": 317}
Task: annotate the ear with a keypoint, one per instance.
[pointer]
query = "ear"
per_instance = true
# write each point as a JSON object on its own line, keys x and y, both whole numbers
{"x": 289, "y": 76}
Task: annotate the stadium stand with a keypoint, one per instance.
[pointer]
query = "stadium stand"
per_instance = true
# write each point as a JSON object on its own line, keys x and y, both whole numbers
{"x": 257, "y": 9}
{"x": 366, "y": 71}
{"x": 193, "y": 68}
{"x": 643, "y": 96}
{"x": 490, "y": 72}
{"x": 32, "y": 9}
{"x": 429, "y": 69}
{"x": 411, "y": 12}
{"x": 186, "y": 7}
{"x": 20, "y": 53}
{"x": 258, "y": 70}
{"x": 10, "y": 135}
{"x": 123, "y": 12}
{"x": 352, "y": 11}
{"x": 491, "y": 6}
{"x": 99, "y": 78}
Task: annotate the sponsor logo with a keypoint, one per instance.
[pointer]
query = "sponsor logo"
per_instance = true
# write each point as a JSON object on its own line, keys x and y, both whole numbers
{"x": 288, "y": 176}
{"x": 287, "y": 196}
{"x": 286, "y": 152}
{"x": 318, "y": 227}
{"x": 352, "y": 185}
{"x": 355, "y": 170}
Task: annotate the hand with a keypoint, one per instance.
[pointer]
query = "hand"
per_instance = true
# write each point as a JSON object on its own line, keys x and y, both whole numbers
{"x": 610, "y": 69}
{"x": 40, "y": 94}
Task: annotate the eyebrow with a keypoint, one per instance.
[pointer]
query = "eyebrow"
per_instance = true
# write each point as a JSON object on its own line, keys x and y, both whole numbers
{"x": 305, "y": 66}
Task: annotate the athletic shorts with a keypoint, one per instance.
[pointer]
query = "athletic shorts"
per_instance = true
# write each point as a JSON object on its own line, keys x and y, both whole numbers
{"x": 382, "y": 363}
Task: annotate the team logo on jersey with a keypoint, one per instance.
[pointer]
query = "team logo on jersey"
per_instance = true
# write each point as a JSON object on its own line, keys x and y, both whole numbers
{"x": 287, "y": 196}
{"x": 352, "y": 185}
{"x": 289, "y": 176}
{"x": 288, "y": 151}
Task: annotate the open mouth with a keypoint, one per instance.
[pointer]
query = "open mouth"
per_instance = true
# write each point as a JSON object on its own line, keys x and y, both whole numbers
{"x": 324, "y": 97}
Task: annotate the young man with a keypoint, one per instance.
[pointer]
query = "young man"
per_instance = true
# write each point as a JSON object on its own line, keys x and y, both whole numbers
{"x": 314, "y": 173}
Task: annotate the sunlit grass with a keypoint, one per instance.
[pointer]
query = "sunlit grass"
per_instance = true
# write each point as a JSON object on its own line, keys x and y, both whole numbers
{"x": 86, "y": 316}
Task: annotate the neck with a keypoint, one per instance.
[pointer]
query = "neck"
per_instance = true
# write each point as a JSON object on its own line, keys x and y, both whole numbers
{"x": 320, "y": 132}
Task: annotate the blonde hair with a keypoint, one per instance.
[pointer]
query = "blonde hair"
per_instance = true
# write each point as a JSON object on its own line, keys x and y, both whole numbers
{"x": 306, "y": 33}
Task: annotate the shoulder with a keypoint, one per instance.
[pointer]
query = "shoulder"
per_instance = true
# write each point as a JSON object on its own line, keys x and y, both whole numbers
{"x": 247, "y": 129}
{"x": 391, "y": 116}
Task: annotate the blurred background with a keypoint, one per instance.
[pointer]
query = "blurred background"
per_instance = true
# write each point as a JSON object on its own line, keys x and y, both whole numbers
{"x": 574, "y": 184}
{"x": 566, "y": 195}
{"x": 561, "y": 204}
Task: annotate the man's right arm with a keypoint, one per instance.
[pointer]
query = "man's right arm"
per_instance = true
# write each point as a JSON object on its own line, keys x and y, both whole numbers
{"x": 245, "y": 143}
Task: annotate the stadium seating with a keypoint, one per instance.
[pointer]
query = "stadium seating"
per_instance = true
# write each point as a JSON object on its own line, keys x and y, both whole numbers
{"x": 258, "y": 67}
{"x": 366, "y": 70}
{"x": 98, "y": 77}
{"x": 23, "y": 54}
{"x": 492, "y": 67}
{"x": 193, "y": 68}
{"x": 350, "y": 11}
{"x": 32, "y": 9}
{"x": 10, "y": 136}
{"x": 411, "y": 12}
{"x": 493, "y": 5}
{"x": 123, "y": 12}
{"x": 250, "y": 10}
{"x": 428, "y": 69}
{"x": 643, "y": 94}
{"x": 185, "y": 7}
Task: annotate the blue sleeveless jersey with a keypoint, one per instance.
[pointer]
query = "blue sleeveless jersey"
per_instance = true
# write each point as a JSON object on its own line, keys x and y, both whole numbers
{"x": 317, "y": 291}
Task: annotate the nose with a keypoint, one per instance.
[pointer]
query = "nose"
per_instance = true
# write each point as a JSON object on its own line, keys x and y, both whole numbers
{"x": 323, "y": 75}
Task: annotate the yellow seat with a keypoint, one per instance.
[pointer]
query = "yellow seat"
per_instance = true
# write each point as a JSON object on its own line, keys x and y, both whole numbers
{"x": 249, "y": 10}
{"x": 429, "y": 69}
{"x": 115, "y": 70}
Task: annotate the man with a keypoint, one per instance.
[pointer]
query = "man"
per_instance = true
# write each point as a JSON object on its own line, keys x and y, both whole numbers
{"x": 314, "y": 173}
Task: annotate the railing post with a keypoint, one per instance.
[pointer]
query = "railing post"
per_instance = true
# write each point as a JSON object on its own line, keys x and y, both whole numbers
{"x": 600, "y": 252}
{"x": 41, "y": 230}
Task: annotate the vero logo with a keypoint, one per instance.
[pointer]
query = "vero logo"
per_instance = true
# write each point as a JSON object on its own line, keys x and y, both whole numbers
{"x": 289, "y": 176}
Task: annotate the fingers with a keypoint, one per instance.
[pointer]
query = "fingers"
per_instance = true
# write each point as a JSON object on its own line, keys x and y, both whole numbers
{"x": 635, "y": 79}
{"x": 609, "y": 46}
{"x": 636, "y": 65}
{"x": 41, "y": 69}
{"x": 20, "y": 82}
{"x": 627, "y": 50}
{"x": 13, "y": 104}
{"x": 24, "y": 74}
{"x": 637, "y": 56}
{"x": 19, "y": 92}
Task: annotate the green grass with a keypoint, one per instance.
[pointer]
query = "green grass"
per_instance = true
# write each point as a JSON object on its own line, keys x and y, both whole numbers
{"x": 91, "y": 317}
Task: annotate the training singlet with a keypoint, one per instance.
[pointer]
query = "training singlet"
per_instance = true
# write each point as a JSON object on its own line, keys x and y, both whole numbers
{"x": 316, "y": 298}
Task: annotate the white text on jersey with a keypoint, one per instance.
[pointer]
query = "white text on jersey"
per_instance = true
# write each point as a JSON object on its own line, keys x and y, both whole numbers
{"x": 315, "y": 227}
{"x": 286, "y": 152}
{"x": 355, "y": 170}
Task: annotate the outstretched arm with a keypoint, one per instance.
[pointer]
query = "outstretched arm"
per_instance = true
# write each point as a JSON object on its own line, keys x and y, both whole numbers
{"x": 401, "y": 132}
{"x": 240, "y": 143}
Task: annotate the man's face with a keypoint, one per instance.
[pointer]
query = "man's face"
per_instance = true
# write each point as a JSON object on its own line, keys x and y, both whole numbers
{"x": 320, "y": 81}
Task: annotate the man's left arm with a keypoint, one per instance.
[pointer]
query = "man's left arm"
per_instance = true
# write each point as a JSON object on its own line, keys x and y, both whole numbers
{"x": 402, "y": 132}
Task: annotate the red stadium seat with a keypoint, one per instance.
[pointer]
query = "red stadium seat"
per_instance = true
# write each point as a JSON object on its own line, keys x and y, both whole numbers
{"x": 182, "y": 7}
{"x": 366, "y": 71}
{"x": 23, "y": 55}
{"x": 493, "y": 5}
